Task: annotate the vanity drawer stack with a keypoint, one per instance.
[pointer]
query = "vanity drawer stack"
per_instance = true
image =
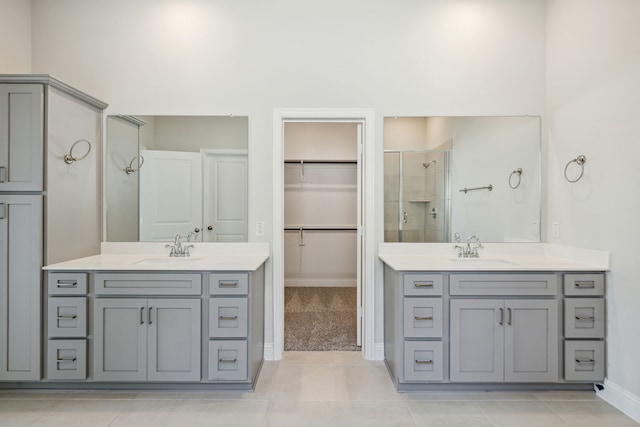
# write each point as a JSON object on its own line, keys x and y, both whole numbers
{"x": 422, "y": 324}
{"x": 229, "y": 320}
{"x": 67, "y": 326}
{"x": 584, "y": 327}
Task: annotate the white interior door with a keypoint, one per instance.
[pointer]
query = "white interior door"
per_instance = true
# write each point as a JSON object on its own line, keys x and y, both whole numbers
{"x": 170, "y": 195}
{"x": 225, "y": 197}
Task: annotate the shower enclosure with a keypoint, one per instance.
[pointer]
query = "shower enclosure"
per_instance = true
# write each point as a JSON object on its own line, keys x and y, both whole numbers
{"x": 417, "y": 196}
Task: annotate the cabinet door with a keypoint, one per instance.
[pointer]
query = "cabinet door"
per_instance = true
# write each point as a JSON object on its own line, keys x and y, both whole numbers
{"x": 120, "y": 339}
{"x": 21, "y": 138}
{"x": 174, "y": 339}
{"x": 20, "y": 264}
{"x": 477, "y": 340}
{"x": 531, "y": 341}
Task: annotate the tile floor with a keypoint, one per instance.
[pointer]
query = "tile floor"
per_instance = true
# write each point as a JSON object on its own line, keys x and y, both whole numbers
{"x": 308, "y": 389}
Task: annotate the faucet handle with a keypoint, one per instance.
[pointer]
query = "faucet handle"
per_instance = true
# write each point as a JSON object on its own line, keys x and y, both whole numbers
{"x": 460, "y": 250}
{"x": 186, "y": 250}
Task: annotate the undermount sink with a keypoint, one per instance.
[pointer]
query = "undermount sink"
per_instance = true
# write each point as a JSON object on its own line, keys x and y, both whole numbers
{"x": 485, "y": 261}
{"x": 166, "y": 260}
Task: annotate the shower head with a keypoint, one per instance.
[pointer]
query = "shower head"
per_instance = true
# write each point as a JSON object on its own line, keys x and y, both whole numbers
{"x": 427, "y": 164}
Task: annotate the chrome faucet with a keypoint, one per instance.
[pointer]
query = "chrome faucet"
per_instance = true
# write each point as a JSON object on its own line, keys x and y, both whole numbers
{"x": 473, "y": 252}
{"x": 177, "y": 250}
{"x": 468, "y": 251}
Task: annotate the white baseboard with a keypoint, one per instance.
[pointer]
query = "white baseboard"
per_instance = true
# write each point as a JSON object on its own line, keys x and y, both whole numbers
{"x": 268, "y": 351}
{"x": 621, "y": 399}
{"x": 378, "y": 351}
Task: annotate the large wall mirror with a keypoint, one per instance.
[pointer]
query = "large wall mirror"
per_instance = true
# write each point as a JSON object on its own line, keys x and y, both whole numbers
{"x": 176, "y": 175}
{"x": 464, "y": 175}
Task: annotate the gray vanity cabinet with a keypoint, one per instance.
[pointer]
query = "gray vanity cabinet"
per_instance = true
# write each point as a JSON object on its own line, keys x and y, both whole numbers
{"x": 504, "y": 340}
{"x": 21, "y": 138}
{"x": 47, "y": 214}
{"x": 20, "y": 263}
{"x": 138, "y": 339}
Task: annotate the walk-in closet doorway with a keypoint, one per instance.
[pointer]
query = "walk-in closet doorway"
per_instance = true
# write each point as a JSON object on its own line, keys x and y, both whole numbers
{"x": 322, "y": 172}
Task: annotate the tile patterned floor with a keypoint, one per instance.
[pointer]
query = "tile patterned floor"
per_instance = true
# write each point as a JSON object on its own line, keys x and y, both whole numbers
{"x": 309, "y": 389}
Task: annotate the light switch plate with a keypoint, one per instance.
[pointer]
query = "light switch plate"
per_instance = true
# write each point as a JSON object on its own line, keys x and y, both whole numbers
{"x": 259, "y": 228}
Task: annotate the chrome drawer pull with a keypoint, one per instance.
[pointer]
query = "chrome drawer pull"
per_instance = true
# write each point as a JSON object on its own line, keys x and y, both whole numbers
{"x": 67, "y": 283}
{"x": 423, "y": 285}
{"x": 228, "y": 317}
{"x": 423, "y": 318}
{"x": 3, "y": 174}
{"x": 585, "y": 361}
{"x": 149, "y": 315}
{"x": 585, "y": 284}
{"x": 585, "y": 318}
{"x": 227, "y": 360}
{"x": 69, "y": 317}
{"x": 69, "y": 359}
{"x": 424, "y": 362}
{"x": 3, "y": 214}
{"x": 233, "y": 284}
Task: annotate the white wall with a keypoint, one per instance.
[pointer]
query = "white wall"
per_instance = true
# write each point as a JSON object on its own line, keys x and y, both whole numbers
{"x": 408, "y": 58}
{"x": 593, "y": 88}
{"x": 15, "y": 36}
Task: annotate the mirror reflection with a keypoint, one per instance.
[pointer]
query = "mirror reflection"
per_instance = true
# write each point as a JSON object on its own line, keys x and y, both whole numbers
{"x": 464, "y": 175}
{"x": 170, "y": 175}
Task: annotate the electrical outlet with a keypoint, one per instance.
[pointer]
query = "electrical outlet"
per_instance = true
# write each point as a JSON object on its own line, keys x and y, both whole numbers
{"x": 259, "y": 228}
{"x": 535, "y": 228}
{"x": 555, "y": 230}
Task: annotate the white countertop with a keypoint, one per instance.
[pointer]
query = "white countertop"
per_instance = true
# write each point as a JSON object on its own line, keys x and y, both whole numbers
{"x": 493, "y": 257}
{"x": 155, "y": 257}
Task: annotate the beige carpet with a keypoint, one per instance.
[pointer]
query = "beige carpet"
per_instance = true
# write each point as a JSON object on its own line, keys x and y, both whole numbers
{"x": 320, "y": 319}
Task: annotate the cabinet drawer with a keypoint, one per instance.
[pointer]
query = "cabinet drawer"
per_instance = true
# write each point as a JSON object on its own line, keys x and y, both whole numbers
{"x": 67, "y": 317}
{"x": 422, "y": 284}
{"x": 584, "y": 284}
{"x": 584, "y": 360}
{"x": 503, "y": 284}
{"x": 148, "y": 283}
{"x": 67, "y": 283}
{"x": 423, "y": 361}
{"x": 228, "y": 360}
{"x": 228, "y": 284}
{"x": 584, "y": 318}
{"x": 67, "y": 360}
{"x": 228, "y": 318}
{"x": 423, "y": 317}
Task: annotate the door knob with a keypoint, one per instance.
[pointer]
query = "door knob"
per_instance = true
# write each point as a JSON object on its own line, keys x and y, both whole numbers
{"x": 210, "y": 228}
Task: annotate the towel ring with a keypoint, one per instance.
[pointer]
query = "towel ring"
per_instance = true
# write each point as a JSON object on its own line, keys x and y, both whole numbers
{"x": 69, "y": 158}
{"x": 518, "y": 173}
{"x": 580, "y": 161}
{"x": 129, "y": 169}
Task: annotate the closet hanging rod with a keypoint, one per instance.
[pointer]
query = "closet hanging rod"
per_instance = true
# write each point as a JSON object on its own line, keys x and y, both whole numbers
{"x": 320, "y": 161}
{"x": 303, "y": 228}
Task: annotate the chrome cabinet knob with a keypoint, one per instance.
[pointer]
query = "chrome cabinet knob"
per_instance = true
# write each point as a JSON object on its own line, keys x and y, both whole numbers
{"x": 210, "y": 228}
{"x": 197, "y": 230}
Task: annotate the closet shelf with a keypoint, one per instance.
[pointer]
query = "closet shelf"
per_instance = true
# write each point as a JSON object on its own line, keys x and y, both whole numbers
{"x": 302, "y": 161}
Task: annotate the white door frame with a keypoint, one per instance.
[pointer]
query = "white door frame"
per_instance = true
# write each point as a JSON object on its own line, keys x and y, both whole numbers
{"x": 365, "y": 117}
